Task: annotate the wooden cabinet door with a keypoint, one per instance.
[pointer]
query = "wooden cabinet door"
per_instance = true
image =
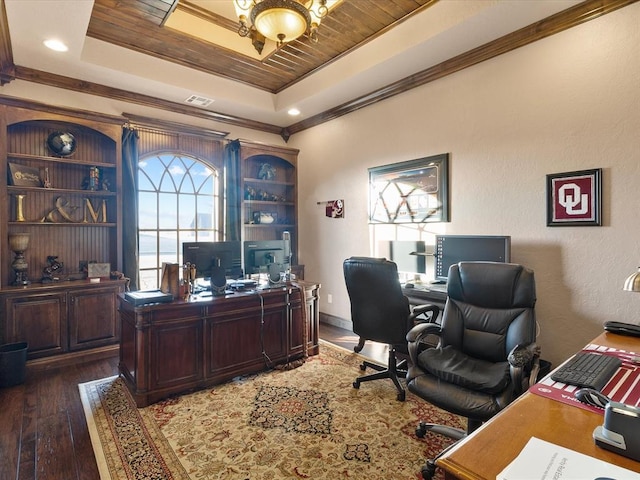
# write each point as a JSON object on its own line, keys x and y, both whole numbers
{"x": 175, "y": 354}
{"x": 39, "y": 320}
{"x": 247, "y": 337}
{"x": 93, "y": 319}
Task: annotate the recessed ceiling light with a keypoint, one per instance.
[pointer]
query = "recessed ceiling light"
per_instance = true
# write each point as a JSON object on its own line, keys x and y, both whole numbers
{"x": 293, "y": 112}
{"x": 56, "y": 45}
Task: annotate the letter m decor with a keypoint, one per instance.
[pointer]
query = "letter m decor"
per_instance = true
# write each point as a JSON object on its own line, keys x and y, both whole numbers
{"x": 574, "y": 198}
{"x": 91, "y": 213}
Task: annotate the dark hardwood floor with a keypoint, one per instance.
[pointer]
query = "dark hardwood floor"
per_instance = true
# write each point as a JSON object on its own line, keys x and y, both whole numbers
{"x": 43, "y": 432}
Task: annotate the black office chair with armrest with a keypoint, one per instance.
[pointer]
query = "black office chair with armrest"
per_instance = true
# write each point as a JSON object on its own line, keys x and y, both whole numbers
{"x": 381, "y": 313}
{"x": 487, "y": 354}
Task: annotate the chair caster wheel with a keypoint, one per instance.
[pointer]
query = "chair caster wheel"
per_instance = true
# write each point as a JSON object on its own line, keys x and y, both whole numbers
{"x": 421, "y": 431}
{"x": 363, "y": 367}
{"x": 429, "y": 470}
{"x": 401, "y": 396}
{"x": 356, "y": 384}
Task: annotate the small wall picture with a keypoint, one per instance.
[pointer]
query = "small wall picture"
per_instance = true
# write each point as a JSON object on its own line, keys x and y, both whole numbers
{"x": 574, "y": 198}
{"x": 98, "y": 270}
{"x": 335, "y": 209}
{"x": 23, "y": 176}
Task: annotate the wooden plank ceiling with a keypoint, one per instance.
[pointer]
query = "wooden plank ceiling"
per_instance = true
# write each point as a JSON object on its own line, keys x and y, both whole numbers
{"x": 137, "y": 25}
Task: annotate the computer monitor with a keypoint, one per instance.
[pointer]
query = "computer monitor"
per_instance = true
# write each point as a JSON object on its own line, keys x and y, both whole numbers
{"x": 404, "y": 253}
{"x": 451, "y": 249}
{"x": 205, "y": 255}
{"x": 259, "y": 254}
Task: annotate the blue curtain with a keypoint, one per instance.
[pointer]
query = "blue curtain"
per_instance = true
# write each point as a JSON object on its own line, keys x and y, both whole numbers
{"x": 233, "y": 224}
{"x": 130, "y": 206}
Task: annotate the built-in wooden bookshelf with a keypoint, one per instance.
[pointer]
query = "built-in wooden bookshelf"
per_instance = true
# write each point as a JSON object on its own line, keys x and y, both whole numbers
{"x": 49, "y": 196}
{"x": 269, "y": 186}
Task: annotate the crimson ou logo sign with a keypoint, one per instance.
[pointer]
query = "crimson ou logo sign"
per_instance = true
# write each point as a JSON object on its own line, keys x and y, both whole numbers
{"x": 574, "y": 198}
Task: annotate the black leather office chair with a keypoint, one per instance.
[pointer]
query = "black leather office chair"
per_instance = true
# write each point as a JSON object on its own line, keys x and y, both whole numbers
{"x": 486, "y": 356}
{"x": 381, "y": 313}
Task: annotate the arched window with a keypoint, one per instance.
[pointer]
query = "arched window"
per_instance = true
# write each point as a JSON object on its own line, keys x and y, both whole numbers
{"x": 179, "y": 200}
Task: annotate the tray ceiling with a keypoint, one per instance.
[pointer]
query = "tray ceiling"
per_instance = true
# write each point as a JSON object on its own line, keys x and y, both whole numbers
{"x": 160, "y": 53}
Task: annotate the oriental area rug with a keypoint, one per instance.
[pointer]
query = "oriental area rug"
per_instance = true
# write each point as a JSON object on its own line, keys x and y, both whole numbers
{"x": 304, "y": 423}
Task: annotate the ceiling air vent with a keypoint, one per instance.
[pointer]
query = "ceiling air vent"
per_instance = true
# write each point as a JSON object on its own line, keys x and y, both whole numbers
{"x": 199, "y": 101}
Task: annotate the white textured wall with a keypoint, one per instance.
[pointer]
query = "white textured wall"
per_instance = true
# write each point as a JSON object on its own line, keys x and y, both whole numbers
{"x": 568, "y": 102}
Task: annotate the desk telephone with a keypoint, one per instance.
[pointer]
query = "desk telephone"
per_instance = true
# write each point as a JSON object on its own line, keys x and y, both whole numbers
{"x": 620, "y": 430}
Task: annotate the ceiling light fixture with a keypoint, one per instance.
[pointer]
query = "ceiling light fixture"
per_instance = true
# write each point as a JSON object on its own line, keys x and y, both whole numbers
{"x": 293, "y": 112}
{"x": 279, "y": 20}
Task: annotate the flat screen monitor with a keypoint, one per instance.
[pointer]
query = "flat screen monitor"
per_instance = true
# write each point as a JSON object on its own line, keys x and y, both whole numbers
{"x": 205, "y": 255}
{"x": 451, "y": 249}
{"x": 403, "y": 254}
{"x": 259, "y": 254}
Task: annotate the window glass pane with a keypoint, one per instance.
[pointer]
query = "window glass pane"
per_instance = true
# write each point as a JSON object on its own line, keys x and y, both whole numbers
{"x": 187, "y": 211}
{"x": 173, "y": 176}
{"x": 147, "y": 210}
{"x": 206, "y": 219}
{"x": 167, "y": 183}
{"x": 203, "y": 177}
{"x": 144, "y": 182}
{"x": 186, "y": 180}
{"x": 186, "y": 185}
{"x": 184, "y": 236}
{"x": 153, "y": 169}
{"x": 168, "y": 247}
{"x": 148, "y": 245}
{"x": 168, "y": 216}
{"x": 206, "y": 236}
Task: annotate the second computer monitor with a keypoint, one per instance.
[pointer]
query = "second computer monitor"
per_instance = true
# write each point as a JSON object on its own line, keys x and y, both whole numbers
{"x": 259, "y": 254}
{"x": 451, "y": 249}
{"x": 206, "y": 255}
{"x": 409, "y": 256}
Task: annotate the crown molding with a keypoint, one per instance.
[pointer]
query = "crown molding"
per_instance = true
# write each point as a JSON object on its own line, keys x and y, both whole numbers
{"x": 581, "y": 13}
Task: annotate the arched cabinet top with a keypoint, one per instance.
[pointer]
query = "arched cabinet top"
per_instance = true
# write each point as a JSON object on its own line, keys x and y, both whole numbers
{"x": 17, "y": 111}
{"x": 264, "y": 152}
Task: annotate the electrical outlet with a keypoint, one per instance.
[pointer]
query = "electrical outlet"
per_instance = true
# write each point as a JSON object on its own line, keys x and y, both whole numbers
{"x": 329, "y": 298}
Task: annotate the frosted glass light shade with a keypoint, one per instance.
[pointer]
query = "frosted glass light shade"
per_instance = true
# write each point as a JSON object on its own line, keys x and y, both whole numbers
{"x": 280, "y": 24}
{"x": 280, "y": 20}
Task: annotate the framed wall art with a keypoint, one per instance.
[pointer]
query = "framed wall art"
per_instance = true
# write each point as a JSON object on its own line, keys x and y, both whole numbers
{"x": 415, "y": 191}
{"x": 574, "y": 198}
{"x": 98, "y": 270}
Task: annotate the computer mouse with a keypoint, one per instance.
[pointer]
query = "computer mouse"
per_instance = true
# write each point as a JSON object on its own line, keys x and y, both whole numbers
{"x": 591, "y": 396}
{"x": 409, "y": 285}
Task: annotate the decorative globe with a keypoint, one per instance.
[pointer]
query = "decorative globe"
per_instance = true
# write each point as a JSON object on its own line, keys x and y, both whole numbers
{"x": 62, "y": 144}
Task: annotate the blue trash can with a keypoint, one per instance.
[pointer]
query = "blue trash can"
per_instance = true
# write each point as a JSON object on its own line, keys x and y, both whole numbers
{"x": 13, "y": 363}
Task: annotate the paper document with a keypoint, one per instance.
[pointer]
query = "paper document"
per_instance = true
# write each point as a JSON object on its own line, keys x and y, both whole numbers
{"x": 540, "y": 460}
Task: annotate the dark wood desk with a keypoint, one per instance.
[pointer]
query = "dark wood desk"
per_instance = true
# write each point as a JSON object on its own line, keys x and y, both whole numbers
{"x": 487, "y": 451}
{"x": 170, "y": 348}
{"x": 421, "y": 294}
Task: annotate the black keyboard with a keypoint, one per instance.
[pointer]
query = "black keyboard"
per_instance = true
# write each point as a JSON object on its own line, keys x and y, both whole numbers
{"x": 585, "y": 369}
